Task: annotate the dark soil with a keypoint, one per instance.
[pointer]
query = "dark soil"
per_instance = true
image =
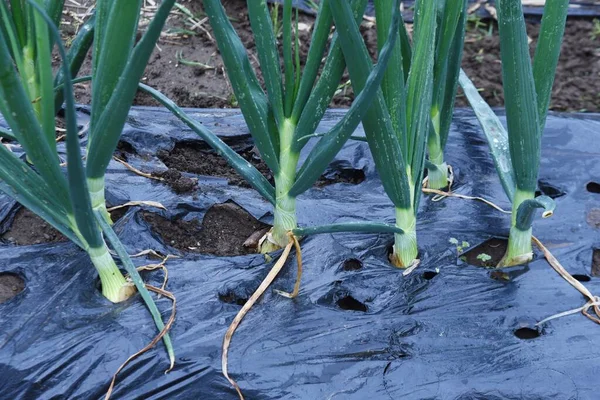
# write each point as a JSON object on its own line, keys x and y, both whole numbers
{"x": 200, "y": 161}
{"x": 27, "y": 229}
{"x": 577, "y": 86}
{"x": 118, "y": 213}
{"x": 197, "y": 159}
{"x": 596, "y": 263}
{"x": 177, "y": 181}
{"x": 223, "y": 231}
{"x": 10, "y": 286}
{"x": 494, "y": 247}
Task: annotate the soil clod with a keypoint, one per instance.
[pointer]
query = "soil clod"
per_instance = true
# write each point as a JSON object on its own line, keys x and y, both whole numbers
{"x": 177, "y": 181}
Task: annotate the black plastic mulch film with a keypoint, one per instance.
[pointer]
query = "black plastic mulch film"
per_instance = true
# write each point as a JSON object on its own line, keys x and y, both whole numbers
{"x": 532, "y": 8}
{"x": 351, "y": 334}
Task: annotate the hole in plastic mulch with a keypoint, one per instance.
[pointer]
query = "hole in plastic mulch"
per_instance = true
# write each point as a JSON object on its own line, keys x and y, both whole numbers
{"x": 348, "y": 302}
{"x": 548, "y": 189}
{"x": 487, "y": 254}
{"x": 10, "y": 286}
{"x": 118, "y": 213}
{"x": 582, "y": 277}
{"x": 429, "y": 275}
{"x": 596, "y": 263}
{"x": 527, "y": 333}
{"x": 352, "y": 176}
{"x": 352, "y": 264}
{"x": 231, "y": 297}
{"x": 593, "y": 187}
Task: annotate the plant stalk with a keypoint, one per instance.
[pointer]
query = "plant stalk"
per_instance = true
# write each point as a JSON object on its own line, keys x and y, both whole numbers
{"x": 114, "y": 285}
{"x": 405, "y": 245}
{"x": 285, "y": 205}
{"x": 96, "y": 186}
{"x": 520, "y": 250}
{"x": 438, "y": 177}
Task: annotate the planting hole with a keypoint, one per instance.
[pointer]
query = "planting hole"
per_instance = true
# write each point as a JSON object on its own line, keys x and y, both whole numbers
{"x": 352, "y": 264}
{"x": 593, "y": 187}
{"x": 123, "y": 150}
{"x": 231, "y": 297}
{"x": 10, "y": 286}
{"x": 223, "y": 231}
{"x": 429, "y": 275}
{"x": 596, "y": 263}
{"x": 27, "y": 229}
{"x": 350, "y": 303}
{"x": 352, "y": 176}
{"x": 177, "y": 181}
{"x": 548, "y": 189}
{"x": 526, "y": 333}
{"x": 197, "y": 159}
{"x": 488, "y": 254}
{"x": 118, "y": 213}
{"x": 582, "y": 277}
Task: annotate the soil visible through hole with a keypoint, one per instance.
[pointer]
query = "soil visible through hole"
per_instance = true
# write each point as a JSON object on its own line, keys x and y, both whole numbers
{"x": 10, "y": 286}
{"x": 223, "y": 231}
{"x": 186, "y": 157}
{"x": 596, "y": 263}
{"x": 526, "y": 333}
{"x": 27, "y": 229}
{"x": 488, "y": 254}
{"x": 191, "y": 158}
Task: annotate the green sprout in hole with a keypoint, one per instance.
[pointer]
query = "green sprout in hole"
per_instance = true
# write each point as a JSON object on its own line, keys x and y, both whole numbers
{"x": 484, "y": 258}
{"x": 460, "y": 246}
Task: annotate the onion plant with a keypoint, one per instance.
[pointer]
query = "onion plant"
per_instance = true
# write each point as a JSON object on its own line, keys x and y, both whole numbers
{"x": 30, "y": 50}
{"x": 27, "y": 103}
{"x": 283, "y": 118}
{"x": 527, "y": 90}
{"x": 452, "y": 17}
{"x": 398, "y": 122}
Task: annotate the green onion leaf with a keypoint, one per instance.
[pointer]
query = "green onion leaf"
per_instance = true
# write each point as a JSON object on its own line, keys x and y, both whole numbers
{"x": 266, "y": 48}
{"x": 332, "y": 141}
{"x": 383, "y": 140}
{"x": 547, "y": 52}
{"x": 247, "y": 89}
{"x": 519, "y": 94}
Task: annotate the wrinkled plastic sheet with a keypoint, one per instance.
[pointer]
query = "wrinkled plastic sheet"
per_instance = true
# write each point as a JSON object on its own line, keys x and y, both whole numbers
{"x": 532, "y": 9}
{"x": 450, "y": 337}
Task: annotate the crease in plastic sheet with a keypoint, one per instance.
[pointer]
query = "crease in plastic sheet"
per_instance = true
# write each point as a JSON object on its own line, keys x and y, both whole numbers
{"x": 450, "y": 337}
